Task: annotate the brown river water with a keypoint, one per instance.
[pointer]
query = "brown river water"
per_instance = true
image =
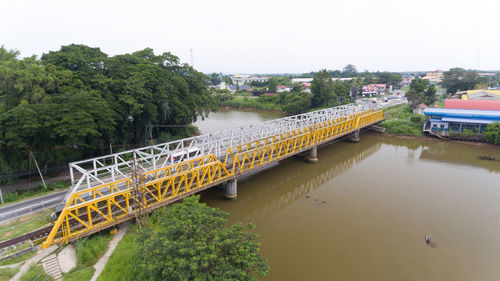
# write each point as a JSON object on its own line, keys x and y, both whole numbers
{"x": 362, "y": 211}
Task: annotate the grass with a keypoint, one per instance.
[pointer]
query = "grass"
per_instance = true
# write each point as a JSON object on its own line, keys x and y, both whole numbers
{"x": 35, "y": 272}
{"x": 121, "y": 263}
{"x": 18, "y": 259}
{"x": 90, "y": 249}
{"x": 236, "y": 102}
{"x": 8, "y": 273}
{"x": 79, "y": 274}
{"x": 25, "y": 224}
{"x": 402, "y": 121}
{"x": 18, "y": 196}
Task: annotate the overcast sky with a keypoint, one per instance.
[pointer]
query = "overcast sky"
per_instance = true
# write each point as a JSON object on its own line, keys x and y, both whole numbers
{"x": 268, "y": 36}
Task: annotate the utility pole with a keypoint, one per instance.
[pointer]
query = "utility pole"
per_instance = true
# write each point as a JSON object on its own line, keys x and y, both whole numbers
{"x": 38, "y": 168}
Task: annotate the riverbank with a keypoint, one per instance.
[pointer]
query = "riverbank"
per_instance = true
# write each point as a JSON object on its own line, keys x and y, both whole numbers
{"x": 427, "y": 138}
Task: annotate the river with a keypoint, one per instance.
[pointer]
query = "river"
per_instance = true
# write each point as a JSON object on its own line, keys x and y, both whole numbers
{"x": 362, "y": 211}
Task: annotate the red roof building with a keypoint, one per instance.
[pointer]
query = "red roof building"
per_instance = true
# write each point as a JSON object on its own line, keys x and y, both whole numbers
{"x": 472, "y": 104}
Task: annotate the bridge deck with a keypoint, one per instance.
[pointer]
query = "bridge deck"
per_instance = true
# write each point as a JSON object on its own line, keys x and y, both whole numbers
{"x": 101, "y": 206}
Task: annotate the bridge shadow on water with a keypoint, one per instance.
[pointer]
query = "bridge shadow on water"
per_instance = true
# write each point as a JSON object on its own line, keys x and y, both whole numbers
{"x": 273, "y": 189}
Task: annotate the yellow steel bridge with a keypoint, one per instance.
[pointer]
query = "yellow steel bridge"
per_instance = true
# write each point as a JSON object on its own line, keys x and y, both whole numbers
{"x": 106, "y": 194}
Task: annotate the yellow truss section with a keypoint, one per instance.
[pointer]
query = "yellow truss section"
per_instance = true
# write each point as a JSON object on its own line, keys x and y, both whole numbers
{"x": 103, "y": 206}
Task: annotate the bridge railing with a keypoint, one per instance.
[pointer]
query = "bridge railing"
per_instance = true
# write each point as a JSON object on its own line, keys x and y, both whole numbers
{"x": 99, "y": 207}
{"x": 93, "y": 172}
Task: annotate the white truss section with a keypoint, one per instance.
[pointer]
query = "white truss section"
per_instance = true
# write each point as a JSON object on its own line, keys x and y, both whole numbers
{"x": 105, "y": 169}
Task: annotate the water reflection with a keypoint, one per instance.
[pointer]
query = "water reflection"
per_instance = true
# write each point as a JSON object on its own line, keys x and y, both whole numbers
{"x": 284, "y": 188}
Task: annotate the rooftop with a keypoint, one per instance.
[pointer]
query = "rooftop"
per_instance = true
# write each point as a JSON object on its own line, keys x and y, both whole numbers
{"x": 472, "y": 104}
{"x": 493, "y": 115}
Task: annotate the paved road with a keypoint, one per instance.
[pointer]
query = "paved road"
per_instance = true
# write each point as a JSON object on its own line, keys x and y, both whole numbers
{"x": 26, "y": 207}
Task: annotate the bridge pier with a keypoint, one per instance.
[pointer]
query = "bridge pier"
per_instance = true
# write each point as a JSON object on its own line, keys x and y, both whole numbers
{"x": 231, "y": 188}
{"x": 312, "y": 155}
{"x": 353, "y": 137}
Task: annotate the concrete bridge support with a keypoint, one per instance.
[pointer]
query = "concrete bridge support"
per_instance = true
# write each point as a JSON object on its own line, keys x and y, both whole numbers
{"x": 231, "y": 189}
{"x": 353, "y": 137}
{"x": 312, "y": 155}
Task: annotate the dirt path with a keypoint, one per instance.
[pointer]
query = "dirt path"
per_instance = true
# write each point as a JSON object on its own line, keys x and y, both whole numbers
{"x": 99, "y": 266}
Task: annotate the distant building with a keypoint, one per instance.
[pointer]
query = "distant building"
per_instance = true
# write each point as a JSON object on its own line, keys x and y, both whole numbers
{"x": 419, "y": 109}
{"x": 481, "y": 95}
{"x": 234, "y": 88}
{"x": 306, "y": 87}
{"x": 406, "y": 81}
{"x": 371, "y": 90}
{"x": 302, "y": 80}
{"x": 222, "y": 85}
{"x": 486, "y": 74}
{"x": 309, "y": 80}
{"x": 462, "y": 118}
{"x": 242, "y": 79}
{"x": 434, "y": 76}
{"x": 282, "y": 88}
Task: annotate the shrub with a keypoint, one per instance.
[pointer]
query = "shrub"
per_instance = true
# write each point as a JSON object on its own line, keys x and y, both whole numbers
{"x": 35, "y": 272}
{"x": 79, "y": 274}
{"x": 402, "y": 127}
{"x": 190, "y": 241}
{"x": 492, "y": 133}
{"x": 90, "y": 249}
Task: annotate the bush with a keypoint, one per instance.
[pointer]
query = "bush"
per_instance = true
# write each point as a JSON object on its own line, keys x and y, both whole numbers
{"x": 35, "y": 272}
{"x": 91, "y": 248}
{"x": 190, "y": 241}
{"x": 8, "y": 273}
{"x": 402, "y": 127}
{"x": 417, "y": 119}
{"x": 121, "y": 264}
{"x": 79, "y": 274}
{"x": 37, "y": 191}
{"x": 492, "y": 133}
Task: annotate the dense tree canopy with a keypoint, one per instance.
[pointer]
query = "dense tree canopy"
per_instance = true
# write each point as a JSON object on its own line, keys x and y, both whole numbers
{"x": 421, "y": 91}
{"x": 328, "y": 93}
{"x": 77, "y": 101}
{"x": 190, "y": 241}
{"x": 458, "y": 79}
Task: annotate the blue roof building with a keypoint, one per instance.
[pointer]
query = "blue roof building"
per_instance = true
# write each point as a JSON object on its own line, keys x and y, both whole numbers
{"x": 452, "y": 122}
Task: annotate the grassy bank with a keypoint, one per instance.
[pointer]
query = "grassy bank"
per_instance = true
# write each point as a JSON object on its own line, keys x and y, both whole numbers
{"x": 17, "y": 196}
{"x": 8, "y": 273}
{"x": 88, "y": 251}
{"x": 35, "y": 272}
{"x": 248, "y": 102}
{"x": 400, "y": 120}
{"x": 25, "y": 224}
{"x": 121, "y": 265}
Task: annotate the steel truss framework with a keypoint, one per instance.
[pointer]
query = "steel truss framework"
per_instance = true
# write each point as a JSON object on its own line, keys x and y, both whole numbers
{"x": 93, "y": 172}
{"x": 100, "y": 206}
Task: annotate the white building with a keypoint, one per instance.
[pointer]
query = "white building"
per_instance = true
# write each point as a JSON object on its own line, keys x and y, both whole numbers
{"x": 282, "y": 88}
{"x": 242, "y": 79}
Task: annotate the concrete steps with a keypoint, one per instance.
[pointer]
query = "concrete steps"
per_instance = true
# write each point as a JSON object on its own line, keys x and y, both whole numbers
{"x": 51, "y": 267}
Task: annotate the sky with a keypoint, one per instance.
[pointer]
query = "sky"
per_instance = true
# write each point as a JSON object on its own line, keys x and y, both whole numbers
{"x": 267, "y": 36}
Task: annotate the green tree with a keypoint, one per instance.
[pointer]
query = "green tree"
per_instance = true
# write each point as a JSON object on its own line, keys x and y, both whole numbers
{"x": 75, "y": 101}
{"x": 492, "y": 133}
{"x": 458, "y": 79}
{"x": 389, "y": 78}
{"x": 322, "y": 89}
{"x": 349, "y": 71}
{"x": 295, "y": 103}
{"x": 272, "y": 83}
{"x": 190, "y": 241}
{"x": 421, "y": 91}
